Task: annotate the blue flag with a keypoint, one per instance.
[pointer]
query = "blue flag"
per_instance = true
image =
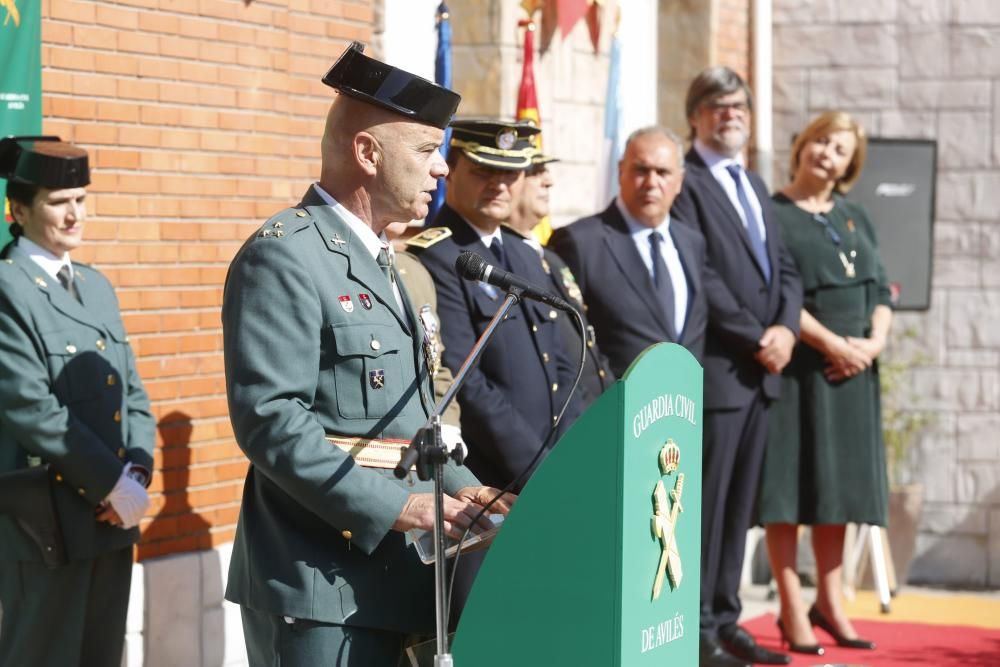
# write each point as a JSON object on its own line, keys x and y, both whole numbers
{"x": 612, "y": 148}
{"x": 442, "y": 77}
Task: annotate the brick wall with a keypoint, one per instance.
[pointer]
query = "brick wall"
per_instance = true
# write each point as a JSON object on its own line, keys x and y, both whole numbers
{"x": 202, "y": 118}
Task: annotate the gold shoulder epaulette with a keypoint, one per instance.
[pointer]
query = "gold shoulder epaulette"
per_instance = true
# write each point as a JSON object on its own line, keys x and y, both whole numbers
{"x": 429, "y": 237}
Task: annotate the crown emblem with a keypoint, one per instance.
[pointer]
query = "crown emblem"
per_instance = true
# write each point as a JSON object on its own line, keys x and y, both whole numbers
{"x": 670, "y": 457}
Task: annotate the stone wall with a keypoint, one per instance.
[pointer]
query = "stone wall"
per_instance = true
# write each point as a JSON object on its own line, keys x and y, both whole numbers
{"x": 570, "y": 79}
{"x": 926, "y": 69}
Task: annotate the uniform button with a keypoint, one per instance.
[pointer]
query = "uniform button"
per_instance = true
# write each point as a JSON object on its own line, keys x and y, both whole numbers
{"x": 376, "y": 345}
{"x": 71, "y": 349}
{"x": 555, "y": 419}
{"x": 121, "y": 452}
{"x": 590, "y": 343}
{"x": 601, "y": 372}
{"x": 59, "y": 477}
{"x": 534, "y": 328}
{"x": 101, "y": 345}
{"x": 300, "y": 214}
{"x": 111, "y": 380}
{"x": 347, "y": 534}
{"x": 82, "y": 491}
{"x": 555, "y": 387}
{"x": 545, "y": 357}
{"x": 553, "y": 314}
{"x": 118, "y": 416}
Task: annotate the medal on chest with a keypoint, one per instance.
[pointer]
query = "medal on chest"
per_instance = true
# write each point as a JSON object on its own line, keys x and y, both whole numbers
{"x": 847, "y": 258}
{"x": 432, "y": 341}
{"x": 849, "y": 270}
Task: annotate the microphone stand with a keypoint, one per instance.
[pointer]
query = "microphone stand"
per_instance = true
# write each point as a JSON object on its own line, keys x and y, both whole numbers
{"x": 428, "y": 453}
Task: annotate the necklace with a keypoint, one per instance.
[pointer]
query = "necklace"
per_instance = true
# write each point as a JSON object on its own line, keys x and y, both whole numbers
{"x": 834, "y": 237}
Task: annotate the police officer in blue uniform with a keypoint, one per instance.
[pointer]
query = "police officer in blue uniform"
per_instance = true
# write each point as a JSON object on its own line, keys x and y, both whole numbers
{"x": 71, "y": 400}
{"x": 327, "y": 377}
{"x": 532, "y": 208}
{"x": 511, "y": 397}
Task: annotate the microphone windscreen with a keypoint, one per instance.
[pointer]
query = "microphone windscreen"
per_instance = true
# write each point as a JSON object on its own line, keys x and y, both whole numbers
{"x": 470, "y": 266}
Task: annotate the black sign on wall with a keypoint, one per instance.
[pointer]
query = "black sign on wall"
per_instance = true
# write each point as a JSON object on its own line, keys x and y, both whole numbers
{"x": 896, "y": 189}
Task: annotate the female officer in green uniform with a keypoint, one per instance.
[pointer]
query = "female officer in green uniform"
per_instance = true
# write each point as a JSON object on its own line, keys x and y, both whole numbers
{"x": 71, "y": 399}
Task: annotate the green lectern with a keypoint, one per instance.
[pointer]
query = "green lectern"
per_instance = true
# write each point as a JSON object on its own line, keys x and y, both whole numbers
{"x": 599, "y": 561}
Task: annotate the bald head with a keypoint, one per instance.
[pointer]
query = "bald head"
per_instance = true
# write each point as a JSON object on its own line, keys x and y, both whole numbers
{"x": 379, "y": 165}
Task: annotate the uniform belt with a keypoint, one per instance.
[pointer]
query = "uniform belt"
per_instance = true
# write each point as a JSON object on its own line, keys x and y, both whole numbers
{"x": 371, "y": 452}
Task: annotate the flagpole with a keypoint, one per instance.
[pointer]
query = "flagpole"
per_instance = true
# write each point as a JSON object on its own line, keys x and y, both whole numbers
{"x": 442, "y": 77}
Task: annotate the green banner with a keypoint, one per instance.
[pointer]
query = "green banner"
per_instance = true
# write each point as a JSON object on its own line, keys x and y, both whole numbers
{"x": 20, "y": 77}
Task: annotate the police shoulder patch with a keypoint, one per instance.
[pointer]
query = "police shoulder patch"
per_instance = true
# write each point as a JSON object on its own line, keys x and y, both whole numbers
{"x": 429, "y": 237}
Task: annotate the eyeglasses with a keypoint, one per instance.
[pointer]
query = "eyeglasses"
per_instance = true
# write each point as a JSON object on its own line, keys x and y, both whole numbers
{"x": 718, "y": 107}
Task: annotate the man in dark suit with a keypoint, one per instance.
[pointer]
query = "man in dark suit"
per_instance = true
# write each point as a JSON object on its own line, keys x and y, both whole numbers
{"x": 751, "y": 332}
{"x": 531, "y": 208}
{"x": 640, "y": 273}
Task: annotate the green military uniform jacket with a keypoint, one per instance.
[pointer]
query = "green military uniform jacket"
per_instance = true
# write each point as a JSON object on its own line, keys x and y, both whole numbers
{"x": 306, "y": 357}
{"x": 71, "y": 397}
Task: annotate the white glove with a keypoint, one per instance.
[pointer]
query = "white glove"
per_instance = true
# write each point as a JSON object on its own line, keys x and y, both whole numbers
{"x": 129, "y": 499}
{"x": 451, "y": 438}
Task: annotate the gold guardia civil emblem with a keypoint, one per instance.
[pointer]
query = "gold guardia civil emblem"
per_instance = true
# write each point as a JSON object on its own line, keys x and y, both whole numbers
{"x": 666, "y": 512}
{"x": 12, "y": 12}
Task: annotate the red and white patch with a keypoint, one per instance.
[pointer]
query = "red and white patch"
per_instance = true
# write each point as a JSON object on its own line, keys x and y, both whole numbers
{"x": 365, "y": 300}
{"x": 346, "y": 303}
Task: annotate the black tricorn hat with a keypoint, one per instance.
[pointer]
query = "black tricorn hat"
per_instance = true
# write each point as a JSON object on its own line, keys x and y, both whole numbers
{"x": 45, "y": 161}
{"x": 391, "y": 88}
{"x": 500, "y": 144}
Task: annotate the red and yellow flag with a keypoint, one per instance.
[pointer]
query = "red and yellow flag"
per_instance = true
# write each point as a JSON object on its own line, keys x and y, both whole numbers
{"x": 527, "y": 98}
{"x": 527, "y": 109}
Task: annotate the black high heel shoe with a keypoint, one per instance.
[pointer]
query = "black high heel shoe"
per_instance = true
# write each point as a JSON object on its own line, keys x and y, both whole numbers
{"x": 811, "y": 649}
{"x": 818, "y": 619}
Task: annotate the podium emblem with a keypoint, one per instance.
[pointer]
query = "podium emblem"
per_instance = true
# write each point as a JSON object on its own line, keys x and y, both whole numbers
{"x": 666, "y": 512}
{"x": 670, "y": 457}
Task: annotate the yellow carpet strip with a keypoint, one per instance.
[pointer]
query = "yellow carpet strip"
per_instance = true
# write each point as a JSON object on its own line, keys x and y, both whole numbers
{"x": 942, "y": 608}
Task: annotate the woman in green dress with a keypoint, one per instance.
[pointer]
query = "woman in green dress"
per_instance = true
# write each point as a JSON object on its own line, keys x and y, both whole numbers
{"x": 825, "y": 462}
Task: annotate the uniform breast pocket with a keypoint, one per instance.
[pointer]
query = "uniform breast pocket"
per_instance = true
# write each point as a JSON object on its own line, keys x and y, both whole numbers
{"x": 75, "y": 366}
{"x": 486, "y": 306}
{"x": 367, "y": 370}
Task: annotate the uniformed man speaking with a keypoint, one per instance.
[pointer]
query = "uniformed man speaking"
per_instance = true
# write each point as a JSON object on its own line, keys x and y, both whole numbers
{"x": 327, "y": 378}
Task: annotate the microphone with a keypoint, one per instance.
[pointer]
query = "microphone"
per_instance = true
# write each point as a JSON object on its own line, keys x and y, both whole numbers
{"x": 471, "y": 266}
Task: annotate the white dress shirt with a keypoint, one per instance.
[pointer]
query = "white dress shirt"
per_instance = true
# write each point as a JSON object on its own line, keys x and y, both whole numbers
{"x": 671, "y": 258}
{"x": 49, "y": 262}
{"x": 486, "y": 237}
{"x": 717, "y": 164}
